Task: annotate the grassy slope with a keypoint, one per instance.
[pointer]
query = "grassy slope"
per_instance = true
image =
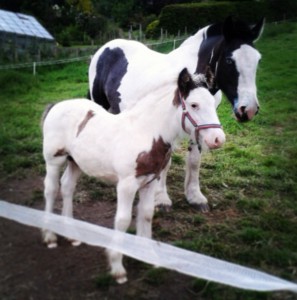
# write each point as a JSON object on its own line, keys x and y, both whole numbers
{"x": 251, "y": 183}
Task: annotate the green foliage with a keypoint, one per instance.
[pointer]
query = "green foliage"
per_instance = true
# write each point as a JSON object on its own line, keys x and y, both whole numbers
{"x": 104, "y": 281}
{"x": 282, "y": 9}
{"x": 196, "y": 15}
{"x": 152, "y": 30}
{"x": 156, "y": 276}
{"x": 22, "y": 101}
{"x": 177, "y": 159}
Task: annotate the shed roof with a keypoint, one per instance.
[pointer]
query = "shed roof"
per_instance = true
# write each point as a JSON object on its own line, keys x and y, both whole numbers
{"x": 22, "y": 24}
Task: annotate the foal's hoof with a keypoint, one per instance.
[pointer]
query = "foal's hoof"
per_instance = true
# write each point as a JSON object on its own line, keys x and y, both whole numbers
{"x": 202, "y": 207}
{"x": 163, "y": 208}
{"x": 50, "y": 239}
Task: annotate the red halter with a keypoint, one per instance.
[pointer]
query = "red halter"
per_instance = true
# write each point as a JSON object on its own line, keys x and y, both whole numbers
{"x": 187, "y": 115}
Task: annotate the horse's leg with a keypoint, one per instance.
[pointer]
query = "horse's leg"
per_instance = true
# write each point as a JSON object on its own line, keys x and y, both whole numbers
{"x": 51, "y": 189}
{"x": 162, "y": 200}
{"x": 126, "y": 190}
{"x": 145, "y": 210}
{"x": 68, "y": 184}
{"x": 192, "y": 187}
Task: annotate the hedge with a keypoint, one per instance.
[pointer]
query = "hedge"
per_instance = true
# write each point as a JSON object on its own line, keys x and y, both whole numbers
{"x": 192, "y": 16}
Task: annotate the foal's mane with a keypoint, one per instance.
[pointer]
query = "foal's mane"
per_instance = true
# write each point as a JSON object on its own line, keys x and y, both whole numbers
{"x": 45, "y": 113}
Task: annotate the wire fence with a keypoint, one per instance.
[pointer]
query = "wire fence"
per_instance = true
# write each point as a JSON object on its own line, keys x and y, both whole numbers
{"x": 33, "y": 65}
{"x": 156, "y": 46}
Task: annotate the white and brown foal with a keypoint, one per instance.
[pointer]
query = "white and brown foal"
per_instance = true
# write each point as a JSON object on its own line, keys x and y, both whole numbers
{"x": 130, "y": 149}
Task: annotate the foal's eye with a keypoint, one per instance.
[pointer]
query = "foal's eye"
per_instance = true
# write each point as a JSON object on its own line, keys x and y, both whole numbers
{"x": 229, "y": 61}
{"x": 195, "y": 106}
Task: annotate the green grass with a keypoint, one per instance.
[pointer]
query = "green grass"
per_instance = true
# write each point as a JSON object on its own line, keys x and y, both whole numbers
{"x": 251, "y": 183}
{"x": 22, "y": 101}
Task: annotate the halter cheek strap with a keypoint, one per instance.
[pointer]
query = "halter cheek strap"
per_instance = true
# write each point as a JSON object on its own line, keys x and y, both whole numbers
{"x": 186, "y": 115}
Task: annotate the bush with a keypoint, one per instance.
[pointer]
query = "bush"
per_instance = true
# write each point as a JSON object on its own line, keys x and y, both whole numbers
{"x": 68, "y": 35}
{"x": 282, "y": 9}
{"x": 193, "y": 16}
{"x": 152, "y": 29}
{"x": 197, "y": 15}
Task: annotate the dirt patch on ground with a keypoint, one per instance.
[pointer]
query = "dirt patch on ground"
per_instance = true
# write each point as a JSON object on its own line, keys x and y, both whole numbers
{"x": 28, "y": 270}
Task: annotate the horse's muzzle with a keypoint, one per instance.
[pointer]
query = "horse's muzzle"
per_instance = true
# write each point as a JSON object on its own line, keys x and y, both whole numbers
{"x": 244, "y": 113}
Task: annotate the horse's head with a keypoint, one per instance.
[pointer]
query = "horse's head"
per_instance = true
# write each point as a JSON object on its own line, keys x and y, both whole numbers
{"x": 199, "y": 116}
{"x": 237, "y": 65}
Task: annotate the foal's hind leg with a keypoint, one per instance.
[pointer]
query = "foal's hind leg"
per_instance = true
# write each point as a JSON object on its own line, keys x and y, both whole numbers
{"x": 192, "y": 187}
{"x": 51, "y": 189}
{"x": 68, "y": 184}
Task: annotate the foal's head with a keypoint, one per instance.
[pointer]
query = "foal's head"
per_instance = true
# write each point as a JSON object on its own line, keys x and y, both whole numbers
{"x": 199, "y": 117}
{"x": 237, "y": 65}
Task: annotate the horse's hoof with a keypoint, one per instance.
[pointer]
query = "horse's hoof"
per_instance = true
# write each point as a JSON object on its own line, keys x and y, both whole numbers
{"x": 75, "y": 243}
{"x": 202, "y": 207}
{"x": 52, "y": 245}
{"x": 163, "y": 208}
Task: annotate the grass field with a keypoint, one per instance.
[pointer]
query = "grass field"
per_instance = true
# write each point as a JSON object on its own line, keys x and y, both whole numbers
{"x": 251, "y": 183}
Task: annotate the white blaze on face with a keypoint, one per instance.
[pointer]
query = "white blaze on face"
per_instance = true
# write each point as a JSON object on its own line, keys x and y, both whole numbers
{"x": 247, "y": 59}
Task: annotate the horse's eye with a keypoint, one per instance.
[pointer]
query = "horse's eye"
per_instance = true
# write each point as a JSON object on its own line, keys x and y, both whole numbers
{"x": 229, "y": 61}
{"x": 195, "y": 106}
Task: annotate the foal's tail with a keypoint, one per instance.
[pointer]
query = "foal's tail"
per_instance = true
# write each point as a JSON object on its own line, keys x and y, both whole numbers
{"x": 45, "y": 113}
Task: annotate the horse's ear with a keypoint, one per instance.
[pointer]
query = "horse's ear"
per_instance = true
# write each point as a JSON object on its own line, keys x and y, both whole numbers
{"x": 185, "y": 82}
{"x": 258, "y": 29}
{"x": 228, "y": 28}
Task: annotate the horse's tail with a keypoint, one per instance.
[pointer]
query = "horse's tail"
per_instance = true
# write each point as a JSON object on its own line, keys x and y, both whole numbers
{"x": 45, "y": 113}
{"x": 89, "y": 95}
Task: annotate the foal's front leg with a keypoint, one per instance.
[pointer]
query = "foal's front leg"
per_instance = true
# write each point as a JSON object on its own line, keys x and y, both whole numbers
{"x": 145, "y": 210}
{"x": 126, "y": 190}
{"x": 162, "y": 200}
{"x": 192, "y": 187}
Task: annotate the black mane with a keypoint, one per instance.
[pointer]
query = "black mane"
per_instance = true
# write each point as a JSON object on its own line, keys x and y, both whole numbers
{"x": 215, "y": 30}
{"x": 239, "y": 30}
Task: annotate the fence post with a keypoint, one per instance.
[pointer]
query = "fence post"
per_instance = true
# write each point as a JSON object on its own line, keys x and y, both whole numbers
{"x": 34, "y": 68}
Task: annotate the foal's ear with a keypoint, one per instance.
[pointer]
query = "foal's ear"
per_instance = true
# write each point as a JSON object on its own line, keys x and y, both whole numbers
{"x": 185, "y": 83}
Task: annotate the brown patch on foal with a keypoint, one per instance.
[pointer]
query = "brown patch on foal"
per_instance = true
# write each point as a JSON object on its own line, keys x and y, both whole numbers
{"x": 155, "y": 160}
{"x": 84, "y": 122}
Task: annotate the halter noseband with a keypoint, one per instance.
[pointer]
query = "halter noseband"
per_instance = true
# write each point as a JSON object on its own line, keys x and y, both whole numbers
{"x": 197, "y": 127}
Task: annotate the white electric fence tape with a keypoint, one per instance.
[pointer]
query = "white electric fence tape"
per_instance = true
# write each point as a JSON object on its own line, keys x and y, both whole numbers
{"x": 149, "y": 251}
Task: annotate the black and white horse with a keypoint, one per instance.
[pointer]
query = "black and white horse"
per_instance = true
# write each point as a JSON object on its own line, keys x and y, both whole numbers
{"x": 130, "y": 149}
{"x": 122, "y": 71}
